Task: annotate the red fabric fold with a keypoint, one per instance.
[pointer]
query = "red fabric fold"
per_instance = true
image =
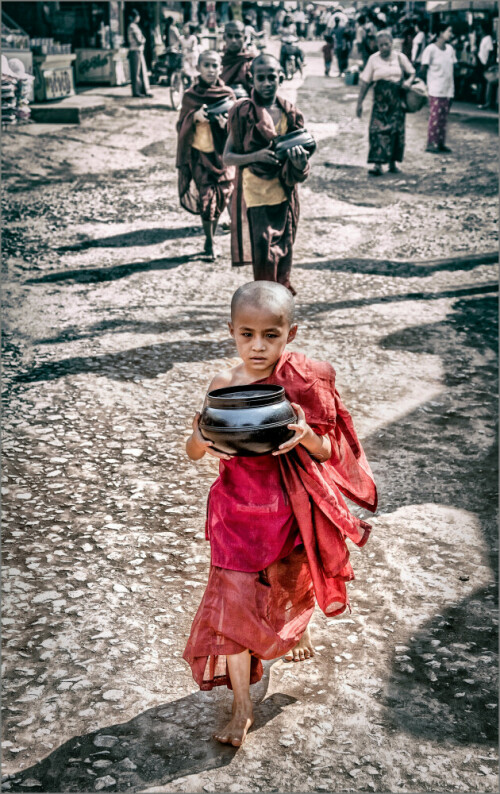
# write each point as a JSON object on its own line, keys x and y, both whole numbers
{"x": 236, "y": 68}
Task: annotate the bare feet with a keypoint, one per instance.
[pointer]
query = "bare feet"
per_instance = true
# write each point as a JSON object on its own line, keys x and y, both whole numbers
{"x": 236, "y": 730}
{"x": 303, "y": 650}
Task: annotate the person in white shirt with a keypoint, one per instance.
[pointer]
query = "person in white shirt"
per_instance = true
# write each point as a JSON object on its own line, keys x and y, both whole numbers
{"x": 138, "y": 70}
{"x": 485, "y": 58}
{"x": 438, "y": 61}
{"x": 418, "y": 43}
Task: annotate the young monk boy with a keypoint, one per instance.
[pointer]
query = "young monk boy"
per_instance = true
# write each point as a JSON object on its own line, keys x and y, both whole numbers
{"x": 236, "y": 59}
{"x": 277, "y": 524}
{"x": 265, "y": 204}
{"x": 205, "y": 183}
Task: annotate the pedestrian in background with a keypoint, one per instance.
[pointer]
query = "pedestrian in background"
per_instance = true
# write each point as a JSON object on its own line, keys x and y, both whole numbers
{"x": 138, "y": 70}
{"x": 438, "y": 62}
{"x": 388, "y": 72}
{"x": 205, "y": 184}
{"x": 341, "y": 39}
{"x": 190, "y": 51}
{"x": 419, "y": 44}
{"x": 485, "y": 58}
{"x": 327, "y": 51}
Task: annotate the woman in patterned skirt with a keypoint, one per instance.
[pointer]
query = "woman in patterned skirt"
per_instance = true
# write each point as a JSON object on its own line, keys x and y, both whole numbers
{"x": 389, "y": 72}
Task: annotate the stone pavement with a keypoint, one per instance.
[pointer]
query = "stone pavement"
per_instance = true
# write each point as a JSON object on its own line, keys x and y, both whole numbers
{"x": 113, "y": 325}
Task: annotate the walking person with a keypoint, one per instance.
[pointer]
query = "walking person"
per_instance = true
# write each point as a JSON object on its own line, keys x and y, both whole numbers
{"x": 277, "y": 523}
{"x": 265, "y": 208}
{"x": 438, "y": 61}
{"x": 485, "y": 59}
{"x": 388, "y": 71}
{"x": 138, "y": 71}
{"x": 236, "y": 58}
{"x": 339, "y": 34}
{"x": 205, "y": 184}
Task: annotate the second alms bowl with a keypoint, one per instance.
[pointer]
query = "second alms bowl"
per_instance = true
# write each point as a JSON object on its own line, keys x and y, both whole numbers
{"x": 218, "y": 108}
{"x": 247, "y": 420}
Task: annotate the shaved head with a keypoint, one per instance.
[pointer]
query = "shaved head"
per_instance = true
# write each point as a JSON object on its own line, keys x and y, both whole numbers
{"x": 265, "y": 295}
{"x": 207, "y": 55}
{"x": 265, "y": 60}
{"x": 235, "y": 24}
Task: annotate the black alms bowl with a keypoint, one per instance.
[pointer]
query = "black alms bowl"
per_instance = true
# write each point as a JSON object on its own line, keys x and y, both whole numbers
{"x": 247, "y": 420}
{"x": 283, "y": 143}
{"x": 219, "y": 108}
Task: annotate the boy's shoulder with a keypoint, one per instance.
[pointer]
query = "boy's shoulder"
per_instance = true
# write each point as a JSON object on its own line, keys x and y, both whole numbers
{"x": 309, "y": 369}
{"x": 224, "y": 378}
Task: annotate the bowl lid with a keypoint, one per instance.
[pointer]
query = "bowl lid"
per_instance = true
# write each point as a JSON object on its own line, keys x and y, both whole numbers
{"x": 253, "y": 395}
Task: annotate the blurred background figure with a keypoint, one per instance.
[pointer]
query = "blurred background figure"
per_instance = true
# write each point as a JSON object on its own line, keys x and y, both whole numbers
{"x": 138, "y": 71}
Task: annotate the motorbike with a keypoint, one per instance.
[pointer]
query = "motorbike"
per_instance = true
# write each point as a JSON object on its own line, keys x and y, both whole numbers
{"x": 167, "y": 70}
{"x": 291, "y": 56}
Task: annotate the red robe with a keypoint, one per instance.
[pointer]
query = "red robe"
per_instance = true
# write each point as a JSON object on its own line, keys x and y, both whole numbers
{"x": 236, "y": 68}
{"x": 267, "y": 611}
{"x": 205, "y": 184}
{"x": 267, "y": 244}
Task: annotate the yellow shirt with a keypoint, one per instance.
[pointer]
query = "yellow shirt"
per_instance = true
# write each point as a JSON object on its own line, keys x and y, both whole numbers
{"x": 203, "y": 139}
{"x": 259, "y": 192}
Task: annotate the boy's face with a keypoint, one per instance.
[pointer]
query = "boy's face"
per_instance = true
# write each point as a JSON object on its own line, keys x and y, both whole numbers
{"x": 261, "y": 335}
{"x": 266, "y": 79}
{"x": 234, "y": 38}
{"x": 209, "y": 68}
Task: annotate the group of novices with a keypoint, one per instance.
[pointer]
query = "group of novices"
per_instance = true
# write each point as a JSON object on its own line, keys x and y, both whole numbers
{"x": 278, "y": 523}
{"x": 228, "y": 160}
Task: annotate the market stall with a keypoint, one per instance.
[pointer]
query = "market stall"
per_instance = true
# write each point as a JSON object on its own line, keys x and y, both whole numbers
{"x": 104, "y": 67}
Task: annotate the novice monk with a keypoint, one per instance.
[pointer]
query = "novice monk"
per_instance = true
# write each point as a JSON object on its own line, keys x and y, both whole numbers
{"x": 277, "y": 523}
{"x": 205, "y": 183}
{"x": 236, "y": 59}
{"x": 265, "y": 204}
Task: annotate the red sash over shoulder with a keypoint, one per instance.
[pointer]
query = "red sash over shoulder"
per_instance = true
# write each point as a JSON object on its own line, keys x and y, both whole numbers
{"x": 315, "y": 489}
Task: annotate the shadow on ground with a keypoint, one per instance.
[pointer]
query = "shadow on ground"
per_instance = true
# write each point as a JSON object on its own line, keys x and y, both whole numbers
{"x": 156, "y": 747}
{"x": 445, "y": 453}
{"x": 136, "y": 237}
{"x": 389, "y": 267}
{"x": 139, "y": 363}
{"x": 99, "y": 274}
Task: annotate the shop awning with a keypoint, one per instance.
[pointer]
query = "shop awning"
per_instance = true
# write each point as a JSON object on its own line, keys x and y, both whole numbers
{"x": 442, "y": 6}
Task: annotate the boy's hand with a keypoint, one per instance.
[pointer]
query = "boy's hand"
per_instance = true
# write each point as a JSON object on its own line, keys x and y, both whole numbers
{"x": 298, "y": 156}
{"x": 222, "y": 119}
{"x": 201, "y": 115}
{"x": 301, "y": 428}
{"x": 266, "y": 156}
{"x": 204, "y": 444}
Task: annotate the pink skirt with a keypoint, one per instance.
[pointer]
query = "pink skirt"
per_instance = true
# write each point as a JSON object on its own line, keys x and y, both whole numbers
{"x": 265, "y": 612}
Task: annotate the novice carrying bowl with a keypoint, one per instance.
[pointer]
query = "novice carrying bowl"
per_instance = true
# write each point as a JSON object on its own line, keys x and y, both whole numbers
{"x": 247, "y": 420}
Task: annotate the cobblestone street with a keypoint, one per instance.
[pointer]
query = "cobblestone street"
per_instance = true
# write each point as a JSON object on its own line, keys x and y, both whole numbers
{"x": 113, "y": 326}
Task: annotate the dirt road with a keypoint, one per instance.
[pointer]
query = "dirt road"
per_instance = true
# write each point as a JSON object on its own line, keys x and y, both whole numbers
{"x": 113, "y": 326}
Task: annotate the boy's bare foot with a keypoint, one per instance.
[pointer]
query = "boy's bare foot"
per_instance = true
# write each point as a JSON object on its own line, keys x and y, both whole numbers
{"x": 303, "y": 650}
{"x": 236, "y": 730}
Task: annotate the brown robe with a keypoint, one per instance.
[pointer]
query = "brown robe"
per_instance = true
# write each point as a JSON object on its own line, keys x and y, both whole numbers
{"x": 264, "y": 236}
{"x": 205, "y": 184}
{"x": 236, "y": 67}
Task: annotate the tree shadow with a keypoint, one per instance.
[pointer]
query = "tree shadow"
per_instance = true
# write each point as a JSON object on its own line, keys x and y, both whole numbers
{"x": 133, "y": 238}
{"x": 318, "y": 307}
{"x": 442, "y": 453}
{"x": 136, "y": 364}
{"x": 408, "y": 269}
{"x": 100, "y": 274}
{"x": 199, "y": 321}
{"x": 153, "y": 749}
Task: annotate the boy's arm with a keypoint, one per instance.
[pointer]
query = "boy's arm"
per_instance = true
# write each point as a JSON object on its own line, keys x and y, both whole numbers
{"x": 230, "y": 157}
{"x": 196, "y": 445}
{"x": 319, "y": 447}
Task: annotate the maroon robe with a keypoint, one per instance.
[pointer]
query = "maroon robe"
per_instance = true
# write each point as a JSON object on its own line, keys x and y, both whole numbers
{"x": 236, "y": 68}
{"x": 267, "y": 611}
{"x": 264, "y": 236}
{"x": 205, "y": 184}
